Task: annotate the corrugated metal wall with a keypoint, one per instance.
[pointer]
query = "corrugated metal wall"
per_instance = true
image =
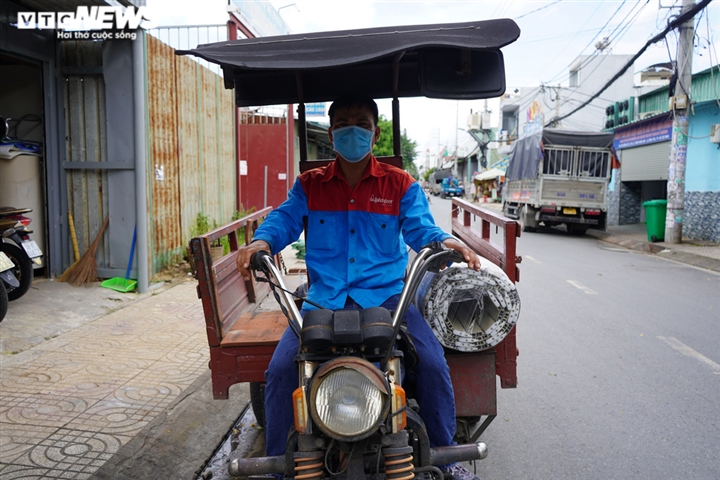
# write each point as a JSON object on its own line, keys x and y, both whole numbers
{"x": 191, "y": 163}
{"x": 86, "y": 142}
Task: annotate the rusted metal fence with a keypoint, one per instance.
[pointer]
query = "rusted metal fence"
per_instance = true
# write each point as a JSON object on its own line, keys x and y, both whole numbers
{"x": 191, "y": 143}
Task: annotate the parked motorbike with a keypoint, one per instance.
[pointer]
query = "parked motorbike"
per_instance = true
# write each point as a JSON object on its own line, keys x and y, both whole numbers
{"x": 15, "y": 242}
{"x": 7, "y": 280}
{"x": 352, "y": 414}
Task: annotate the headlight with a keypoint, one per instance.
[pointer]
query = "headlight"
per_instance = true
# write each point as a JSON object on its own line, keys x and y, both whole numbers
{"x": 348, "y": 398}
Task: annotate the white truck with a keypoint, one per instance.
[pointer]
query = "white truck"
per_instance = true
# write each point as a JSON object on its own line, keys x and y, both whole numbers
{"x": 559, "y": 177}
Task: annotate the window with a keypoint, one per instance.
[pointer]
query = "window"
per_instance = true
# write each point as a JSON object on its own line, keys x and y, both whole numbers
{"x": 574, "y": 78}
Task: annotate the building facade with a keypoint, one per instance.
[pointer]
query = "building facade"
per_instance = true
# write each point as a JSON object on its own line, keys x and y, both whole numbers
{"x": 643, "y": 148}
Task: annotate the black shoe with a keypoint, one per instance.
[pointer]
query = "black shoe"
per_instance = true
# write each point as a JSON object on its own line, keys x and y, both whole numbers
{"x": 457, "y": 472}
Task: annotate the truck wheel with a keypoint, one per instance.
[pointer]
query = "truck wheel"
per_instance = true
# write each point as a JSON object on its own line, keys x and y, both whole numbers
{"x": 523, "y": 220}
{"x": 442, "y": 195}
{"x": 575, "y": 230}
{"x": 23, "y": 270}
{"x": 3, "y": 301}
{"x": 257, "y": 400}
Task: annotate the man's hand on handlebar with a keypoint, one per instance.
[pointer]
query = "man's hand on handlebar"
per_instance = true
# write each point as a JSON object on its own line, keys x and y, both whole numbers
{"x": 244, "y": 254}
{"x": 471, "y": 258}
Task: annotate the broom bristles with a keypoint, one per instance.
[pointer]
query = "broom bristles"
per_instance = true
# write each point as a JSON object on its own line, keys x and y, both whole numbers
{"x": 85, "y": 271}
{"x": 66, "y": 273}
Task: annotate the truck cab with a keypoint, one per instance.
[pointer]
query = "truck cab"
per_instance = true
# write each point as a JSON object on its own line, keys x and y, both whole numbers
{"x": 452, "y": 188}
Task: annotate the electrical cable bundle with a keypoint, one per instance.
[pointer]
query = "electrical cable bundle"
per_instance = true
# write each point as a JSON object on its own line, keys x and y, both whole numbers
{"x": 467, "y": 310}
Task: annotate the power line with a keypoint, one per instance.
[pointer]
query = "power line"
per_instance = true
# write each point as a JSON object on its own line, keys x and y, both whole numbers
{"x": 688, "y": 15}
{"x": 538, "y": 9}
{"x": 573, "y": 38}
{"x": 623, "y": 29}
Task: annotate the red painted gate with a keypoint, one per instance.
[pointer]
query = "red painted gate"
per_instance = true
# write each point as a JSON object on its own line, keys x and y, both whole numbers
{"x": 265, "y": 160}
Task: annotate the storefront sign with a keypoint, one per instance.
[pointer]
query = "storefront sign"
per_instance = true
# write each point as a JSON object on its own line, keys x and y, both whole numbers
{"x": 643, "y": 134}
{"x": 315, "y": 109}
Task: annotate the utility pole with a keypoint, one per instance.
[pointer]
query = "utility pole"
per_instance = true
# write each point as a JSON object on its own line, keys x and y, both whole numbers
{"x": 485, "y": 132}
{"x": 557, "y": 105}
{"x": 678, "y": 147}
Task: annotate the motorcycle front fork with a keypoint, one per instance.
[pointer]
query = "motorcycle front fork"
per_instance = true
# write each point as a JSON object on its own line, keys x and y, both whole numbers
{"x": 395, "y": 455}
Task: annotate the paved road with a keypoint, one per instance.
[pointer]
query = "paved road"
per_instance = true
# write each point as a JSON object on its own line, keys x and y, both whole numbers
{"x": 619, "y": 369}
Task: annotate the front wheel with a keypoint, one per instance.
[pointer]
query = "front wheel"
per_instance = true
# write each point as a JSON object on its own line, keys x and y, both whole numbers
{"x": 23, "y": 270}
{"x": 257, "y": 400}
{"x": 3, "y": 301}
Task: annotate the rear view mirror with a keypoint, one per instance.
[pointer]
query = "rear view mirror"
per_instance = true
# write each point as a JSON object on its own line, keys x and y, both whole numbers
{"x": 461, "y": 74}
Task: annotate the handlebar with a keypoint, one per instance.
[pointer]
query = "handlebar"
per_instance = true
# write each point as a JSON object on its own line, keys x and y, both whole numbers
{"x": 430, "y": 258}
{"x": 262, "y": 261}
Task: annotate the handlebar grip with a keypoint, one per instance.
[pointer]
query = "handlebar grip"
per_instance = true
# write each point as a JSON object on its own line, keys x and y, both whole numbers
{"x": 256, "y": 261}
{"x": 455, "y": 257}
{"x": 450, "y": 254}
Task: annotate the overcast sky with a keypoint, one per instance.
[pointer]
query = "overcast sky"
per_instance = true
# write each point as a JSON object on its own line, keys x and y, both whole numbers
{"x": 553, "y": 34}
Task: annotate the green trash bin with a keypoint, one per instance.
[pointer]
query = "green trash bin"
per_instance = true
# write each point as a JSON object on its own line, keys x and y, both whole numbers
{"x": 655, "y": 211}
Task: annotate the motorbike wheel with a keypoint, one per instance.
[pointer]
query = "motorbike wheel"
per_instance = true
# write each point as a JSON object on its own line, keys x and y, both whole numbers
{"x": 257, "y": 400}
{"x": 3, "y": 301}
{"x": 23, "y": 270}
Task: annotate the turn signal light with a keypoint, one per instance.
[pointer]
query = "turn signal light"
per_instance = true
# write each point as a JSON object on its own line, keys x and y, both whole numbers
{"x": 300, "y": 410}
{"x": 399, "y": 417}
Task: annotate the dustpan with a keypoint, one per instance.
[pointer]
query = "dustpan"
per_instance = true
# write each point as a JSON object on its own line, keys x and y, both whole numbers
{"x": 120, "y": 284}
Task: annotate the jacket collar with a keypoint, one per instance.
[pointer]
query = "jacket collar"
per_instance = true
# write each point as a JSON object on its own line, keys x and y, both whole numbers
{"x": 373, "y": 169}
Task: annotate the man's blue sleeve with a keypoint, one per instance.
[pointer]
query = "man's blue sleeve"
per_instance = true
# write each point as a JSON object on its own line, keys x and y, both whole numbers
{"x": 416, "y": 221}
{"x": 284, "y": 224}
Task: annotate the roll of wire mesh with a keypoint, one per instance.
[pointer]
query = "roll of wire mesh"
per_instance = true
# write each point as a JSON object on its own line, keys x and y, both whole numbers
{"x": 469, "y": 311}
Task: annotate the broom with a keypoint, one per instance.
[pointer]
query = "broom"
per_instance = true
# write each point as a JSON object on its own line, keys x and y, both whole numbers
{"x": 76, "y": 250}
{"x": 85, "y": 271}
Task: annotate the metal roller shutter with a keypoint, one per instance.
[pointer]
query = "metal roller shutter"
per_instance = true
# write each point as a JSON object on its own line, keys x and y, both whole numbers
{"x": 649, "y": 162}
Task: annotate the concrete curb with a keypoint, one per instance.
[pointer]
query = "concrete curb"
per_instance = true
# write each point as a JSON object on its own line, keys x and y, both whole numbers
{"x": 177, "y": 443}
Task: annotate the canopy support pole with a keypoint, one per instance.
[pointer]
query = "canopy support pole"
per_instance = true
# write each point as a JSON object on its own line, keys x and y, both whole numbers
{"x": 397, "y": 146}
{"x": 302, "y": 124}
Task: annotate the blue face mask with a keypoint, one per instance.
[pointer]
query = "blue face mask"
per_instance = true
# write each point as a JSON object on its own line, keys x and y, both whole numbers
{"x": 352, "y": 143}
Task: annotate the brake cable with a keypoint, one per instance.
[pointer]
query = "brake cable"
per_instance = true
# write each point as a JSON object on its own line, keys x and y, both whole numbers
{"x": 273, "y": 286}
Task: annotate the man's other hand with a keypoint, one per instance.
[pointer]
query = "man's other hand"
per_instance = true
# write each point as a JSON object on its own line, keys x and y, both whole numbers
{"x": 246, "y": 252}
{"x": 471, "y": 258}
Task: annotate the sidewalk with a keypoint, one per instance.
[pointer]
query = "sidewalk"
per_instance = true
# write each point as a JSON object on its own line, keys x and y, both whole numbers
{"x": 106, "y": 385}
{"x": 70, "y": 403}
{"x": 700, "y": 254}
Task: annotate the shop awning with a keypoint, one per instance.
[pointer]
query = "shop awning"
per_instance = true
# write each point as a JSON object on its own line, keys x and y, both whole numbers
{"x": 489, "y": 174}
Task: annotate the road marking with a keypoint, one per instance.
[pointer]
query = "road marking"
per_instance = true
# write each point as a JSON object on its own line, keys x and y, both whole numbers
{"x": 531, "y": 259}
{"x": 689, "y": 352}
{"x": 582, "y": 287}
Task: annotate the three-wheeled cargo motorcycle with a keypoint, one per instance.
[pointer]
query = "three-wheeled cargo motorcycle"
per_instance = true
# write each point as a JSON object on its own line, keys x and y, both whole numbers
{"x": 355, "y": 355}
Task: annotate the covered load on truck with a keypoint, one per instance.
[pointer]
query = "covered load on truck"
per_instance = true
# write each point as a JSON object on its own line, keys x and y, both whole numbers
{"x": 558, "y": 177}
{"x": 436, "y": 178}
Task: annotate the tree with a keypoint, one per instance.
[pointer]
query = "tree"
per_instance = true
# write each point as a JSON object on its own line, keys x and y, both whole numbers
{"x": 429, "y": 172}
{"x": 384, "y": 146}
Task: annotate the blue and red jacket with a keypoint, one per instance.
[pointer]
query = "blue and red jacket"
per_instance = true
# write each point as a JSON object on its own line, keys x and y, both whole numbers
{"x": 356, "y": 238}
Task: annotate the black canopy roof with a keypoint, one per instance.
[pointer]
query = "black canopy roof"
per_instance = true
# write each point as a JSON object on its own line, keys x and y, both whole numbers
{"x": 455, "y": 61}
